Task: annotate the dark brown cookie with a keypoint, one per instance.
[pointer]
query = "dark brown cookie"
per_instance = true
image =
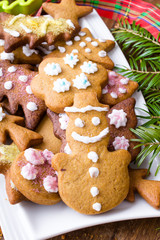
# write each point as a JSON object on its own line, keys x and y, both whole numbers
{"x": 15, "y": 85}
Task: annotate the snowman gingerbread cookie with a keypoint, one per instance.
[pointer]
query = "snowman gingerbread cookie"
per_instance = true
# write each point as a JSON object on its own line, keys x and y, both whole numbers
{"x": 91, "y": 179}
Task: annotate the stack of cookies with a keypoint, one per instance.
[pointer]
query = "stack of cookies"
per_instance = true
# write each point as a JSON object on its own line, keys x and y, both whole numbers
{"x": 60, "y": 95}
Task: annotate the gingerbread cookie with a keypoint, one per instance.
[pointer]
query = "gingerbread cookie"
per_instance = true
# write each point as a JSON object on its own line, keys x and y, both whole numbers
{"x": 8, "y": 153}
{"x": 93, "y": 49}
{"x": 21, "y": 55}
{"x": 121, "y": 118}
{"x": 60, "y": 78}
{"x": 50, "y": 142}
{"x": 67, "y": 9}
{"x": 12, "y": 126}
{"x": 148, "y": 189}
{"x": 21, "y": 29}
{"x": 117, "y": 89}
{"x": 34, "y": 177}
{"x": 15, "y": 83}
{"x": 106, "y": 173}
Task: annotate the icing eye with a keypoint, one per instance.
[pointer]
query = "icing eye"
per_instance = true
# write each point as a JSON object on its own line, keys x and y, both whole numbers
{"x": 96, "y": 121}
{"x": 79, "y": 123}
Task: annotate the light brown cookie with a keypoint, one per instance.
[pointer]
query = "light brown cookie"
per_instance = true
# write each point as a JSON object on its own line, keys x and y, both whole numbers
{"x": 60, "y": 78}
{"x": 50, "y": 142}
{"x": 34, "y": 177}
{"x": 91, "y": 180}
{"x": 12, "y": 126}
{"x": 148, "y": 189}
{"x": 93, "y": 49}
{"x": 117, "y": 89}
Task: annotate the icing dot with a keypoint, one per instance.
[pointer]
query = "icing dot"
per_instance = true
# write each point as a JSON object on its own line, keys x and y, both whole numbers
{"x": 93, "y": 156}
{"x": 112, "y": 74}
{"x": 32, "y": 106}
{"x": 122, "y": 90}
{"x": 88, "y": 50}
{"x": 97, "y": 206}
{"x": 7, "y": 56}
{"x": 94, "y": 191}
{"x": 61, "y": 85}
{"x": 75, "y": 51}
{"x": 48, "y": 155}
{"x": 52, "y": 69}
{"x": 50, "y": 184}
{"x": 51, "y": 48}
{"x": 8, "y": 85}
{"x": 102, "y": 40}
{"x": 77, "y": 38}
{"x": 81, "y": 81}
{"x": 96, "y": 121}
{"x": 63, "y": 119}
{"x": 27, "y": 51}
{"x": 1, "y": 42}
{"x": 23, "y": 78}
{"x": 61, "y": 49}
{"x": 44, "y": 43}
{"x": 124, "y": 81}
{"x": 111, "y": 82}
{"x": 29, "y": 172}
{"x": 102, "y": 53}
{"x": 82, "y": 34}
{"x": 12, "y": 69}
{"x": 67, "y": 149}
{"x": 88, "y": 39}
{"x": 29, "y": 90}
{"x": 89, "y": 67}
{"x": 2, "y": 114}
{"x": 1, "y": 72}
{"x": 69, "y": 43}
{"x": 34, "y": 156}
{"x": 79, "y": 123}
{"x": 113, "y": 95}
{"x": 121, "y": 143}
{"x": 118, "y": 118}
{"x": 82, "y": 44}
{"x": 70, "y": 23}
{"x": 105, "y": 90}
{"x": 94, "y": 43}
{"x": 94, "y": 172}
{"x": 71, "y": 60}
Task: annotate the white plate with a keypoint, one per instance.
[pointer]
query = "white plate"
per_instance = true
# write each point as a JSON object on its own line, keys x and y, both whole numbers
{"x": 28, "y": 221}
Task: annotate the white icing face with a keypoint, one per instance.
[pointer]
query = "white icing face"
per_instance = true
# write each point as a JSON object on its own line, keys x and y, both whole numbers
{"x": 87, "y": 139}
{"x": 1, "y": 42}
{"x": 94, "y": 172}
{"x": 121, "y": 143}
{"x": 52, "y": 69}
{"x": 12, "y": 32}
{"x": 97, "y": 206}
{"x": 67, "y": 149}
{"x": 61, "y": 85}
{"x": 32, "y": 106}
{"x": 82, "y": 34}
{"x": 8, "y": 85}
{"x": 88, "y": 50}
{"x": 96, "y": 121}
{"x": 82, "y": 44}
{"x": 29, "y": 90}
{"x": 70, "y": 23}
{"x": 63, "y": 119}
{"x": 12, "y": 69}
{"x": 94, "y": 191}
{"x": 93, "y": 156}
{"x": 7, "y": 56}
{"x": 71, "y": 60}
{"x": 88, "y": 39}
{"x": 23, "y": 78}
{"x": 61, "y": 49}
{"x": 77, "y": 38}
{"x": 89, "y": 67}
{"x": 79, "y": 123}
{"x": 69, "y": 43}
{"x": 81, "y": 81}
{"x": 1, "y": 72}
{"x": 94, "y": 43}
{"x": 118, "y": 118}
{"x": 2, "y": 114}
{"x": 27, "y": 51}
{"x": 102, "y": 53}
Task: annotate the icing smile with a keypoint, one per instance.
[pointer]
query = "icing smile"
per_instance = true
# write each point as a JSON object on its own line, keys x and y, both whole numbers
{"x": 86, "y": 139}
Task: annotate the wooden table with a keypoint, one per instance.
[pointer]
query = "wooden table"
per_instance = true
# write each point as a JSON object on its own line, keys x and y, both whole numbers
{"x": 142, "y": 229}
